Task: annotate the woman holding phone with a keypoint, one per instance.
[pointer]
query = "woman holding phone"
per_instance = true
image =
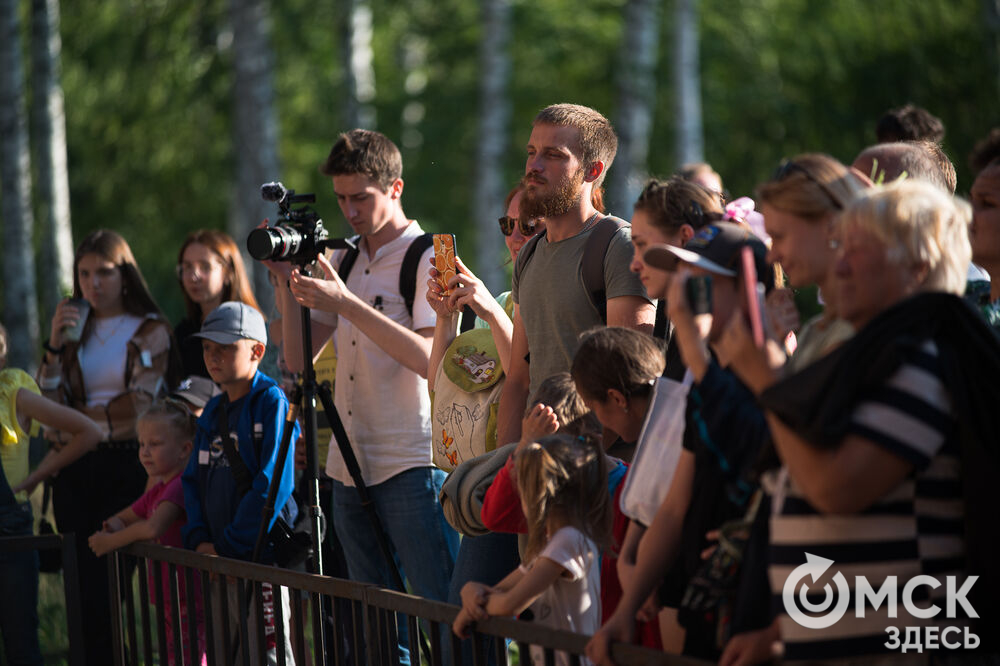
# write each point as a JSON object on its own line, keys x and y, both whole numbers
{"x": 490, "y": 557}
{"x": 123, "y": 359}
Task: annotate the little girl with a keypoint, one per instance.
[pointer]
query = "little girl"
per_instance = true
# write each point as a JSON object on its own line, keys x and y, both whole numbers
{"x": 563, "y": 485}
{"x": 166, "y": 434}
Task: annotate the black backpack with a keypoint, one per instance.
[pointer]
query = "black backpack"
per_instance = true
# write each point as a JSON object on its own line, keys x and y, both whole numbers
{"x": 407, "y": 273}
{"x": 592, "y": 265}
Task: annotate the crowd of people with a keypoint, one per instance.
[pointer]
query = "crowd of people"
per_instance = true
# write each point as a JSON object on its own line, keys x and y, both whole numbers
{"x": 643, "y": 440}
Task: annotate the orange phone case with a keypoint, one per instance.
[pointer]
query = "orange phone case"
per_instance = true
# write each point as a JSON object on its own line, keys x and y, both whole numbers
{"x": 444, "y": 259}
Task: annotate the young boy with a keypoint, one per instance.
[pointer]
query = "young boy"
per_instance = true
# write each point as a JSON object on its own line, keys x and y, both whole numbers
{"x": 224, "y": 515}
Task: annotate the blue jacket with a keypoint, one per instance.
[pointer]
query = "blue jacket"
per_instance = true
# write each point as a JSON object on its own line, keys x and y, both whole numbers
{"x": 215, "y": 511}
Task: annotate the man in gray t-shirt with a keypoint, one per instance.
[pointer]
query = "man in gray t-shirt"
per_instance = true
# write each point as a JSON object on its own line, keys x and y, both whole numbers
{"x": 553, "y": 301}
{"x": 569, "y": 152}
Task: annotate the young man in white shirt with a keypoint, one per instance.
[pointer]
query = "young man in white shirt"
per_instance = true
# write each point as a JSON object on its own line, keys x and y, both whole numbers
{"x": 381, "y": 389}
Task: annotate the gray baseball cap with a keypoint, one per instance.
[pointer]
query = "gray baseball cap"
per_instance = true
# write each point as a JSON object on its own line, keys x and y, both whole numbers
{"x": 233, "y": 321}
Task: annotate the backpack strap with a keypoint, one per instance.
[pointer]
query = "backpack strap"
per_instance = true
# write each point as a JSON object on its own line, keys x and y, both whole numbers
{"x": 239, "y": 469}
{"x": 347, "y": 262}
{"x": 411, "y": 264}
{"x": 592, "y": 264}
{"x": 524, "y": 256}
{"x": 468, "y": 320}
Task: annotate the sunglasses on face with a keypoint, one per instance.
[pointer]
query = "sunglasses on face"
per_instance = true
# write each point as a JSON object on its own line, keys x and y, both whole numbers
{"x": 787, "y": 167}
{"x": 526, "y": 227}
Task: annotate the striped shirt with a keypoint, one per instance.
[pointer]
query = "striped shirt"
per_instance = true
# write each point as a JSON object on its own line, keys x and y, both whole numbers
{"x": 916, "y": 528}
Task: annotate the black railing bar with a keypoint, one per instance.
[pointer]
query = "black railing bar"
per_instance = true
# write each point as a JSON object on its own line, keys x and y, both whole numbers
{"x": 549, "y": 655}
{"x": 257, "y": 608}
{"x": 436, "y": 657}
{"x": 227, "y": 634}
{"x": 279, "y": 621}
{"x": 161, "y": 633}
{"x": 254, "y": 572}
{"x": 298, "y": 629}
{"x": 114, "y": 579}
{"x": 191, "y": 605}
{"x": 147, "y": 633}
{"x": 126, "y": 582}
{"x": 414, "y": 636}
{"x": 175, "y": 612}
{"x": 243, "y": 632}
{"x": 358, "y": 627}
{"x": 36, "y": 542}
{"x": 207, "y": 609}
{"x": 478, "y": 649}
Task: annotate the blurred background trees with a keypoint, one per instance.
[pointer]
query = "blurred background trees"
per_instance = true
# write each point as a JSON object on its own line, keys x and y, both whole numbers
{"x": 175, "y": 112}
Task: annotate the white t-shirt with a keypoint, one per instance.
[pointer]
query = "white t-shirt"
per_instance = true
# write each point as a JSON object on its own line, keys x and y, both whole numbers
{"x": 385, "y": 406}
{"x": 102, "y": 357}
{"x": 573, "y": 601}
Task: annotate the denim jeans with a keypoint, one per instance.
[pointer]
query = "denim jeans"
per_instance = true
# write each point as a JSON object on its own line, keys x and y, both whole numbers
{"x": 423, "y": 544}
{"x": 19, "y": 591}
{"x": 484, "y": 559}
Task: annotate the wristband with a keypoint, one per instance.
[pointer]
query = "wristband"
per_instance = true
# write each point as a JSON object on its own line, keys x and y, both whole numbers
{"x": 54, "y": 350}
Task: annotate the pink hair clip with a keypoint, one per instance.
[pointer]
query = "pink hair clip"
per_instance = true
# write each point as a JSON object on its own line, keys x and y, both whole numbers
{"x": 742, "y": 211}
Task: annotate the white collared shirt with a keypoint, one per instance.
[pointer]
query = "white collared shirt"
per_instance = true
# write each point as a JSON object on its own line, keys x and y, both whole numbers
{"x": 385, "y": 406}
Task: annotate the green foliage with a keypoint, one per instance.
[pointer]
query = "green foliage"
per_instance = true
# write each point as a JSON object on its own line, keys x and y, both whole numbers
{"x": 148, "y": 96}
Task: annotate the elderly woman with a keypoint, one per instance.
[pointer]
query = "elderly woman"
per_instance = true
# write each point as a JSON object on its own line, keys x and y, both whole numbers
{"x": 889, "y": 443}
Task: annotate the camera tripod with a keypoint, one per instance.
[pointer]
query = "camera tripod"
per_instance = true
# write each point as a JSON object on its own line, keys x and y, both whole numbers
{"x": 304, "y": 395}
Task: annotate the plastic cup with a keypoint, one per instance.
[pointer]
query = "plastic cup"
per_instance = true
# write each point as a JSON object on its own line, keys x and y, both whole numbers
{"x": 73, "y": 333}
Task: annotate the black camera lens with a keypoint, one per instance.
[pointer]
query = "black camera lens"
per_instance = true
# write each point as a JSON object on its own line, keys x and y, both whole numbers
{"x": 273, "y": 243}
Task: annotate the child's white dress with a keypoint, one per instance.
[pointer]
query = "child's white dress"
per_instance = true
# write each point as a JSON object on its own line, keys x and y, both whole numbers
{"x": 573, "y": 602}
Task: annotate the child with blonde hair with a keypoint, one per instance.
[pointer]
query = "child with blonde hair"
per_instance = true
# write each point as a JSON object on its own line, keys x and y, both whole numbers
{"x": 166, "y": 434}
{"x": 563, "y": 485}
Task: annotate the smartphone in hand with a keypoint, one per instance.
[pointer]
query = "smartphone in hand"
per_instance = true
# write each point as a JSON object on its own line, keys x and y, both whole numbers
{"x": 699, "y": 294}
{"x": 444, "y": 260}
{"x": 754, "y": 292}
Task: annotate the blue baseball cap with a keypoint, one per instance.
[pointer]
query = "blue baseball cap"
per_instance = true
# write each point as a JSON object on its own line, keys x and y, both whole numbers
{"x": 233, "y": 321}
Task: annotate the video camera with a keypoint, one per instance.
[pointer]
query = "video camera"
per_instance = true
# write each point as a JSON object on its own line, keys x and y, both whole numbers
{"x": 297, "y": 236}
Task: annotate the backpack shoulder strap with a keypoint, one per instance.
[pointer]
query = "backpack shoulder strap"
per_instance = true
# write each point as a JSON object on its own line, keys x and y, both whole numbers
{"x": 347, "y": 263}
{"x": 593, "y": 261}
{"x": 524, "y": 256}
{"x": 411, "y": 264}
{"x": 239, "y": 469}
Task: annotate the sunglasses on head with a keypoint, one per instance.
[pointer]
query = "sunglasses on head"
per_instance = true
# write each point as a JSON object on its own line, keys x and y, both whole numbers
{"x": 526, "y": 227}
{"x": 787, "y": 167}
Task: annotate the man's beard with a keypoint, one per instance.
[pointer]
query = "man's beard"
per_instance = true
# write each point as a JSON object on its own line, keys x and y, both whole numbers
{"x": 568, "y": 192}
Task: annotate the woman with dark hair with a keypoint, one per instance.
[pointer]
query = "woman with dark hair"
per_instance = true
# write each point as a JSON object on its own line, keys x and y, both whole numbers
{"x": 123, "y": 359}
{"x": 210, "y": 270}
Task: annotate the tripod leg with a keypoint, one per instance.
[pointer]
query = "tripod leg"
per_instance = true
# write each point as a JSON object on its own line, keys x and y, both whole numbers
{"x": 354, "y": 469}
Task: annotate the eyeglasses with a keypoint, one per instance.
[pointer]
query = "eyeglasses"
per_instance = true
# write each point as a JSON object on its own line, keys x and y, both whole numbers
{"x": 526, "y": 227}
{"x": 789, "y": 166}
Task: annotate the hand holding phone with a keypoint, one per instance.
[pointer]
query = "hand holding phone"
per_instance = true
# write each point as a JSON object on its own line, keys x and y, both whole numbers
{"x": 699, "y": 294}
{"x": 444, "y": 260}
{"x": 754, "y": 295}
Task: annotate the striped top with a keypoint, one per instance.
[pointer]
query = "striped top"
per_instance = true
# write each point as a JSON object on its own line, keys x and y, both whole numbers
{"x": 914, "y": 529}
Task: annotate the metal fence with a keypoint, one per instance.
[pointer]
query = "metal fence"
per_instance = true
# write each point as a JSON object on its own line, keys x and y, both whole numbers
{"x": 360, "y": 621}
{"x": 66, "y": 545}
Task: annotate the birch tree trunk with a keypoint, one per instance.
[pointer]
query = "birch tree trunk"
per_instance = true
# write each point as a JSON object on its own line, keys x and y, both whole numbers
{"x": 494, "y": 112}
{"x": 636, "y": 104}
{"x": 255, "y": 130}
{"x": 20, "y": 313}
{"x": 49, "y": 122}
{"x": 359, "y": 73}
{"x": 690, "y": 143}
